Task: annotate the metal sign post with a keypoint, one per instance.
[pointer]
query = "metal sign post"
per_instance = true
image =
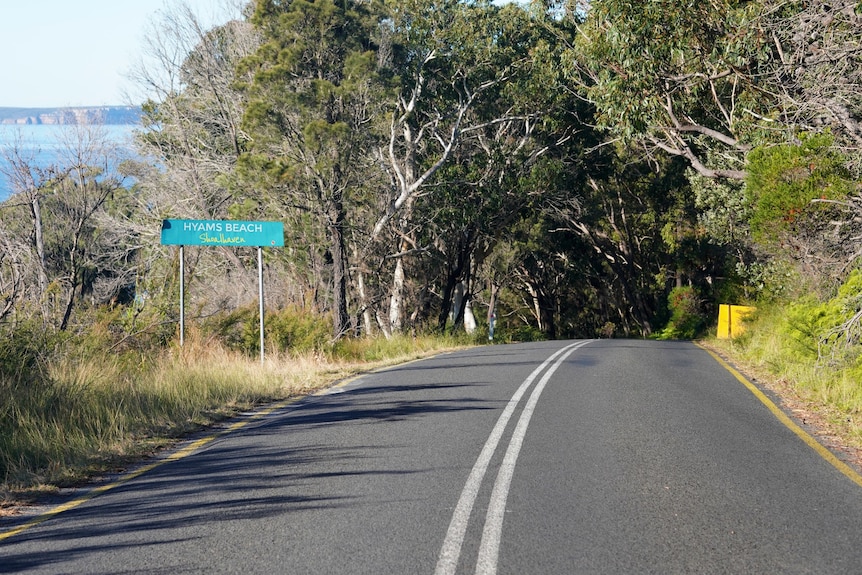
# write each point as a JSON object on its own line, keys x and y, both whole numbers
{"x": 222, "y": 233}
{"x": 260, "y": 295}
{"x": 182, "y": 295}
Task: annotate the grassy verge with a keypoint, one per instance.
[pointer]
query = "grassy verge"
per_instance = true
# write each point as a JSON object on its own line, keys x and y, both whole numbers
{"x": 82, "y": 412}
{"x": 825, "y": 393}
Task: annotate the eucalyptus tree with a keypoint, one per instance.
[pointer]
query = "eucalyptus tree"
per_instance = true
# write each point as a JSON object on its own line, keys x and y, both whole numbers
{"x": 478, "y": 197}
{"x": 14, "y": 256}
{"x": 315, "y": 94}
{"x": 698, "y": 82}
{"x": 192, "y": 117}
{"x": 485, "y": 187}
{"x": 711, "y": 80}
{"x": 804, "y": 207}
{"x": 818, "y": 75}
{"x": 643, "y": 221}
{"x": 62, "y": 237}
{"x": 90, "y": 163}
{"x": 678, "y": 78}
{"x": 27, "y": 180}
{"x": 817, "y": 67}
{"x": 454, "y": 60}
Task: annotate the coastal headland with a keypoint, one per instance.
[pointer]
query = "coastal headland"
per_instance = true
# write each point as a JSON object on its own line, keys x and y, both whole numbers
{"x": 108, "y": 115}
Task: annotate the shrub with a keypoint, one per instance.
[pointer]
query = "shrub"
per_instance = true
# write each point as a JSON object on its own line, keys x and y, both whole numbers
{"x": 289, "y": 329}
{"x": 296, "y": 330}
{"x": 373, "y": 348}
{"x": 832, "y": 328}
{"x": 515, "y": 332}
{"x": 784, "y": 180}
{"x": 687, "y": 318}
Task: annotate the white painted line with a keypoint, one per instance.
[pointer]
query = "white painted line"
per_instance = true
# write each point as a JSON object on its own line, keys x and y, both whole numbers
{"x": 447, "y": 563}
{"x": 489, "y": 549}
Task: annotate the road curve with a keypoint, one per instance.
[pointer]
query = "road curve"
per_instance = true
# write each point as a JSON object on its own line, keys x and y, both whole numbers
{"x": 610, "y": 456}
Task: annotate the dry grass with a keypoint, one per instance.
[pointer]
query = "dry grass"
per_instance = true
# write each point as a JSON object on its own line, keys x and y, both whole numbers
{"x": 95, "y": 413}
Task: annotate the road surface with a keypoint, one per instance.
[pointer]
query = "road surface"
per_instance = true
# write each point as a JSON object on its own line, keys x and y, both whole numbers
{"x": 608, "y": 456}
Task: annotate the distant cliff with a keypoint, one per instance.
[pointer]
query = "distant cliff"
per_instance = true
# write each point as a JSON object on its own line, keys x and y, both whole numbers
{"x": 82, "y": 115}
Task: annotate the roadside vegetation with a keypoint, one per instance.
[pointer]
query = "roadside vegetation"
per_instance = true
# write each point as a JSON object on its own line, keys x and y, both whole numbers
{"x": 70, "y": 411}
{"x": 809, "y": 352}
{"x": 564, "y": 169}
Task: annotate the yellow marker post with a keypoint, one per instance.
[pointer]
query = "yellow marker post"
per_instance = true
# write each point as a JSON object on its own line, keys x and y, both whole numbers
{"x": 731, "y": 320}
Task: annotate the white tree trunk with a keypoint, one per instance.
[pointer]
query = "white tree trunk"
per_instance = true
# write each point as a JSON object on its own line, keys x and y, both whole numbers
{"x": 363, "y": 301}
{"x": 396, "y": 301}
{"x": 36, "y": 211}
{"x": 537, "y": 307}
{"x": 384, "y": 328}
{"x": 469, "y": 318}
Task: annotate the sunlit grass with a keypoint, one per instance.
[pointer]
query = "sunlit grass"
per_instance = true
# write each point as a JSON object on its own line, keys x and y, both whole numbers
{"x": 776, "y": 355}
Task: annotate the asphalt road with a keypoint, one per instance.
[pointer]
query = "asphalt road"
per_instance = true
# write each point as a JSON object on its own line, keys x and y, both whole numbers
{"x": 606, "y": 456}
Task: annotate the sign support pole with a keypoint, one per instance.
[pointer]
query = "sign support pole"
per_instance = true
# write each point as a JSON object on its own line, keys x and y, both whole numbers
{"x": 182, "y": 296}
{"x": 260, "y": 295}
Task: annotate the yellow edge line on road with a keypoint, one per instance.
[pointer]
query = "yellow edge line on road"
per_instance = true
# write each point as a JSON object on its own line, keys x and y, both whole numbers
{"x": 789, "y": 423}
{"x": 175, "y": 456}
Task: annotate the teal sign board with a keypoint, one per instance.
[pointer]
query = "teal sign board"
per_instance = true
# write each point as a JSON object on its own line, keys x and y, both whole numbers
{"x": 222, "y": 233}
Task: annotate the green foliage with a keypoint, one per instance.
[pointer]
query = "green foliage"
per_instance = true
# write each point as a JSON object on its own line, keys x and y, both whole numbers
{"x": 829, "y": 330}
{"x": 230, "y": 328}
{"x": 516, "y": 332}
{"x": 722, "y": 210}
{"x": 298, "y": 331}
{"x": 805, "y": 319}
{"x": 315, "y": 104}
{"x": 687, "y": 318}
{"x": 290, "y": 329}
{"x": 770, "y": 280}
{"x": 784, "y": 180}
{"x": 640, "y": 55}
{"x": 786, "y": 344}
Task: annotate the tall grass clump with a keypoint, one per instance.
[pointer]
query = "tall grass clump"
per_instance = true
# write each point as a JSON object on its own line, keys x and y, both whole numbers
{"x": 288, "y": 330}
{"x": 394, "y": 349}
{"x": 67, "y": 411}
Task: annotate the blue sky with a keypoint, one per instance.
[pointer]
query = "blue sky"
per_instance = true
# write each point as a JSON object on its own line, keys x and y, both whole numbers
{"x": 76, "y": 52}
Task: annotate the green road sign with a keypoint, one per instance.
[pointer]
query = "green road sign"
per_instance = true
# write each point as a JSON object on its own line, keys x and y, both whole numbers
{"x": 222, "y": 233}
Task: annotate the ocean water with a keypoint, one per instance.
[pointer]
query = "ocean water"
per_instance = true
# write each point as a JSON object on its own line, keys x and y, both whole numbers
{"x": 43, "y": 144}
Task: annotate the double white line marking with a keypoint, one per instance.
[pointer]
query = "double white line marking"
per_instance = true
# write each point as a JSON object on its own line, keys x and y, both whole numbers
{"x": 489, "y": 548}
